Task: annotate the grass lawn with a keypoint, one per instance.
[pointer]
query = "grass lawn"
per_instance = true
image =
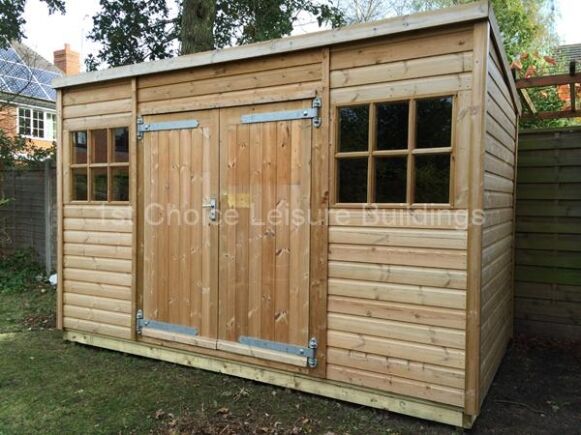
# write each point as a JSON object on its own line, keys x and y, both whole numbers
{"x": 51, "y": 386}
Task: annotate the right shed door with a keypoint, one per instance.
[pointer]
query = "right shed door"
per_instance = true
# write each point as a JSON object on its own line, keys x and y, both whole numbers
{"x": 264, "y": 254}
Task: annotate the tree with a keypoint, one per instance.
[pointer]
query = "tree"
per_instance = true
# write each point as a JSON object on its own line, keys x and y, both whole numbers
{"x": 136, "y": 31}
{"x": 197, "y": 31}
{"x": 12, "y": 20}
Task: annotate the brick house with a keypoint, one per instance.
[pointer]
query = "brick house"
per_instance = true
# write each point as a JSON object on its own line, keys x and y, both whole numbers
{"x": 27, "y": 99}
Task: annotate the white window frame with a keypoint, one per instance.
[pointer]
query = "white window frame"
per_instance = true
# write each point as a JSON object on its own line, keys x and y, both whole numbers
{"x": 49, "y": 128}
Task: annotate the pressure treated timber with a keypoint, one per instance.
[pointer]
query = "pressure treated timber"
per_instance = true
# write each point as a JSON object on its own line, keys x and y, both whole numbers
{"x": 340, "y": 391}
{"x": 403, "y": 299}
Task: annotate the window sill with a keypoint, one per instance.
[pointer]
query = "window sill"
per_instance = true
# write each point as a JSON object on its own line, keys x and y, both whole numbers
{"x": 363, "y": 206}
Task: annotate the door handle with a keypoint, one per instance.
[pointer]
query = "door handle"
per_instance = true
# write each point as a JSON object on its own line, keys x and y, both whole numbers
{"x": 212, "y": 204}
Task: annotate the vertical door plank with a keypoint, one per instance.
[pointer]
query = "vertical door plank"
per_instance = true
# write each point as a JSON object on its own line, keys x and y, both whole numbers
{"x": 268, "y": 251}
{"x": 256, "y": 230}
{"x": 242, "y": 230}
{"x": 304, "y": 232}
{"x": 185, "y": 232}
{"x": 147, "y": 228}
{"x": 175, "y": 292}
{"x": 163, "y": 233}
{"x": 195, "y": 228}
{"x": 282, "y": 261}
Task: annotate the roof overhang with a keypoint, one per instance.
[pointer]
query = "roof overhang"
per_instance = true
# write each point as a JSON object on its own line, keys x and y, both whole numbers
{"x": 456, "y": 15}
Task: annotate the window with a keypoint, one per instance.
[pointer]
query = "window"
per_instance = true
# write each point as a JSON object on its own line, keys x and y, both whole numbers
{"x": 395, "y": 153}
{"x": 37, "y": 124}
{"x": 100, "y": 165}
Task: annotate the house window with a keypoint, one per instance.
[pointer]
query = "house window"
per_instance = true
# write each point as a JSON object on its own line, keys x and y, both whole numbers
{"x": 36, "y": 124}
{"x": 100, "y": 165}
{"x": 395, "y": 153}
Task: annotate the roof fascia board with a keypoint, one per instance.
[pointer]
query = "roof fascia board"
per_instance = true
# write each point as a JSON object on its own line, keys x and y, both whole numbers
{"x": 407, "y": 23}
{"x": 499, "y": 46}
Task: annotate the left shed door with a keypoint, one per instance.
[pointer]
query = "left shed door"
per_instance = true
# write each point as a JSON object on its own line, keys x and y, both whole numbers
{"x": 180, "y": 275}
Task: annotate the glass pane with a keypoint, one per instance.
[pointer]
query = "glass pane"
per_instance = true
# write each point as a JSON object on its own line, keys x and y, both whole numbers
{"x": 392, "y": 126}
{"x": 120, "y": 184}
{"x": 354, "y": 128}
{"x": 99, "y": 184}
{"x": 80, "y": 147}
{"x": 99, "y": 146}
{"x": 121, "y": 145}
{"x": 79, "y": 188}
{"x": 433, "y": 179}
{"x": 352, "y": 180}
{"x": 434, "y": 123}
{"x": 390, "y": 179}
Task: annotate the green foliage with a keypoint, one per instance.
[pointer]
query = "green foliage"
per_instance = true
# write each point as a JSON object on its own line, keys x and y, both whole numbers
{"x": 20, "y": 272}
{"x": 142, "y": 30}
{"x": 12, "y": 20}
{"x": 18, "y": 152}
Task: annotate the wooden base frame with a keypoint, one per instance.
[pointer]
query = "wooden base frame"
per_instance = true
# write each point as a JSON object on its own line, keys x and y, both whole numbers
{"x": 335, "y": 390}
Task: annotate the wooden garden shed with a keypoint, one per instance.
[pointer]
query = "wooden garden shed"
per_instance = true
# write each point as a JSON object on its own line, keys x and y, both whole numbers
{"x": 331, "y": 212}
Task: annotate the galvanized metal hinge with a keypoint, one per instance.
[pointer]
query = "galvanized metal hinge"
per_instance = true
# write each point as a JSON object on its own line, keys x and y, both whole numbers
{"x": 310, "y": 351}
{"x": 313, "y": 113}
{"x": 143, "y": 323}
{"x": 182, "y": 124}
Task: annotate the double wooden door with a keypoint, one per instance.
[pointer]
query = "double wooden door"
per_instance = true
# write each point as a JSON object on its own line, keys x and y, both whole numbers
{"x": 241, "y": 276}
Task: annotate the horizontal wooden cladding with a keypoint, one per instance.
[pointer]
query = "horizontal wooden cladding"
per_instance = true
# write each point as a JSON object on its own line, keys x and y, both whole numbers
{"x": 425, "y": 238}
{"x": 549, "y": 242}
{"x": 393, "y": 49}
{"x": 297, "y": 91}
{"x": 97, "y": 238}
{"x": 410, "y": 294}
{"x": 448, "y": 84}
{"x": 107, "y": 225}
{"x": 95, "y": 263}
{"x": 239, "y": 82}
{"x": 551, "y": 311}
{"x": 437, "y": 258}
{"x": 564, "y": 259}
{"x": 547, "y": 224}
{"x": 404, "y": 70}
{"x": 494, "y": 233}
{"x": 433, "y": 374}
{"x": 549, "y": 191}
{"x": 98, "y": 212}
{"x": 97, "y": 302}
{"x": 423, "y": 315}
{"x": 97, "y": 93}
{"x": 437, "y": 355}
{"x": 496, "y": 183}
{"x": 397, "y": 330}
{"x": 550, "y": 140}
{"x": 393, "y": 384}
{"x": 253, "y": 65}
{"x": 97, "y": 316}
{"x": 98, "y": 277}
{"x": 549, "y": 158}
{"x": 497, "y": 166}
{"x": 497, "y": 216}
{"x": 96, "y": 328}
{"x": 102, "y": 251}
{"x": 548, "y": 208}
{"x": 395, "y": 218}
{"x": 556, "y": 174}
{"x": 421, "y": 276}
{"x": 101, "y": 121}
{"x": 100, "y": 108}
{"x": 98, "y": 290}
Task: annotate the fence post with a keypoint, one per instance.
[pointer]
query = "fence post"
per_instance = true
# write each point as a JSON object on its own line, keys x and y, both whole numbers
{"x": 47, "y": 218}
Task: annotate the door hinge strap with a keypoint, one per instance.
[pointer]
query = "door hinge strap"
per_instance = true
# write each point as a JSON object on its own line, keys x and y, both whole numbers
{"x": 289, "y": 115}
{"x": 308, "y": 352}
{"x": 163, "y": 326}
{"x": 142, "y": 127}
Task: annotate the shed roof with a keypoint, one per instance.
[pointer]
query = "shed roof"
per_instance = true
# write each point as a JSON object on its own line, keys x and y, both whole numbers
{"x": 470, "y": 12}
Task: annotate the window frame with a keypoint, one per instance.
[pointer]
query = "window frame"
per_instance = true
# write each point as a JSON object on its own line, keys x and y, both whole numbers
{"x": 372, "y": 153}
{"x": 46, "y": 119}
{"x": 89, "y": 166}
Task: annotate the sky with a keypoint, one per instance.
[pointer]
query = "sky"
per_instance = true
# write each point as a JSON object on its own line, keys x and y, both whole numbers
{"x": 46, "y": 33}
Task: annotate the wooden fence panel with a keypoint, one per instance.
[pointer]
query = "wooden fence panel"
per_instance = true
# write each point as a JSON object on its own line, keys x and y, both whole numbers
{"x": 548, "y": 234}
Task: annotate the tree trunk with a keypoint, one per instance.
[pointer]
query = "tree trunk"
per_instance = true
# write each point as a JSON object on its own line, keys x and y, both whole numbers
{"x": 197, "y": 32}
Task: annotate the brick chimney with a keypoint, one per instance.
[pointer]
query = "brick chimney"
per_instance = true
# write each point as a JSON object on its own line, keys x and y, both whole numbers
{"x": 67, "y": 60}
